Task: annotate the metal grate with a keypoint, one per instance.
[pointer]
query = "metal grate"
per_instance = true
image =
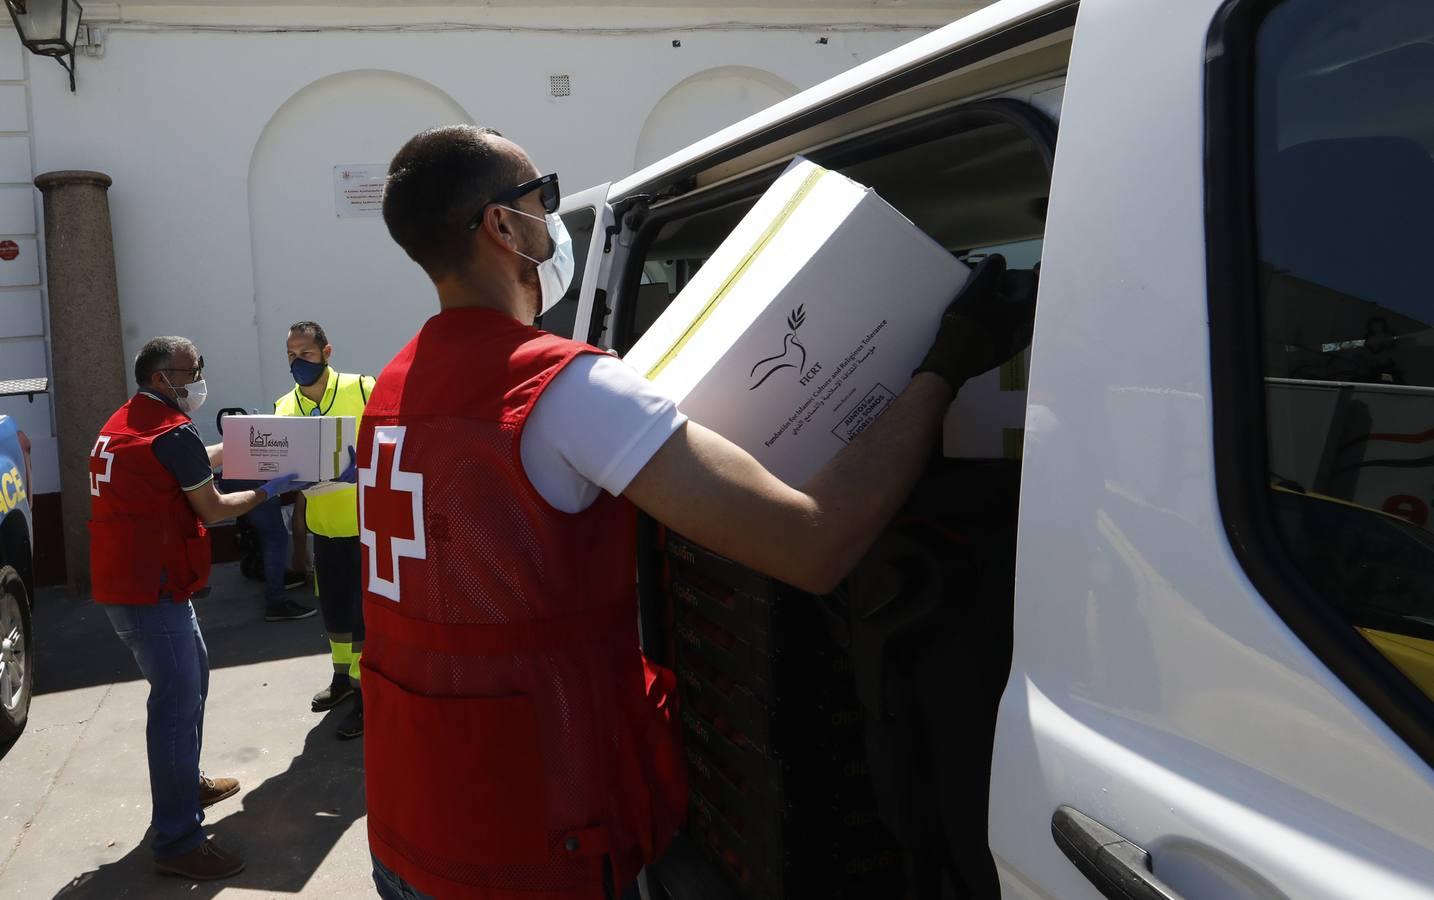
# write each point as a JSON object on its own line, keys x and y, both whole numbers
{"x": 29, "y": 387}
{"x": 560, "y": 85}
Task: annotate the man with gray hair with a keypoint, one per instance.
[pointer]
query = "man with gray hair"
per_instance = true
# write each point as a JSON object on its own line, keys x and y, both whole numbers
{"x": 151, "y": 493}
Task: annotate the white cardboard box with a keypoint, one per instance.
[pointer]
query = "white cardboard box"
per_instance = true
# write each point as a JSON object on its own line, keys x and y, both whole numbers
{"x": 805, "y": 323}
{"x": 263, "y": 447}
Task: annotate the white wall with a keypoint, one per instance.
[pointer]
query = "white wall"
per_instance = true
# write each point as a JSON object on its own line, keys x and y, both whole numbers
{"x": 221, "y": 146}
{"x": 308, "y": 263}
{"x": 707, "y": 102}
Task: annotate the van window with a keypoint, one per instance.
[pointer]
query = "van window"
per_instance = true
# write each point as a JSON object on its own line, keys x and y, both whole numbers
{"x": 1343, "y": 172}
{"x": 975, "y": 189}
{"x": 560, "y": 318}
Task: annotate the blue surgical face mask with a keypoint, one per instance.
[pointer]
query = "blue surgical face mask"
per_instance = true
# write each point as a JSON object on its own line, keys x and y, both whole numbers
{"x": 306, "y": 373}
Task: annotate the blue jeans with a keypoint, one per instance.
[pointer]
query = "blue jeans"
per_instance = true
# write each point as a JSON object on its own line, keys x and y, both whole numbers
{"x": 268, "y": 520}
{"x": 166, "y": 642}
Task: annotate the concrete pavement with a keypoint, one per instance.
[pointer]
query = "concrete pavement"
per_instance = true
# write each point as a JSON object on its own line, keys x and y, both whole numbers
{"x": 74, "y": 790}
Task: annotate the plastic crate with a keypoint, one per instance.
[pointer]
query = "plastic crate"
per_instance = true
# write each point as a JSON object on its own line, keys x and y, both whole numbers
{"x": 868, "y": 865}
{"x": 812, "y": 665}
{"x": 781, "y": 796}
{"x": 826, "y": 776}
{"x": 751, "y": 618}
{"x": 765, "y": 816}
{"x": 723, "y": 570}
{"x": 778, "y": 727}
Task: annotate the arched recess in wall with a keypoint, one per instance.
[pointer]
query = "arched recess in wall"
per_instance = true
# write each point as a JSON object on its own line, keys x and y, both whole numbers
{"x": 345, "y": 273}
{"x": 704, "y": 103}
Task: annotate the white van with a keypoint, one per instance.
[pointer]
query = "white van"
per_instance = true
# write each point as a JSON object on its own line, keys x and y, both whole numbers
{"x": 1221, "y": 654}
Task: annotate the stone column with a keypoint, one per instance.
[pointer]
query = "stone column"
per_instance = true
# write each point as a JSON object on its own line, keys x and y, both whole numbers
{"x": 86, "y": 345}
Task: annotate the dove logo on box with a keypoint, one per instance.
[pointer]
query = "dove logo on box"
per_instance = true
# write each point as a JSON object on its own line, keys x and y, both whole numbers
{"x": 793, "y": 355}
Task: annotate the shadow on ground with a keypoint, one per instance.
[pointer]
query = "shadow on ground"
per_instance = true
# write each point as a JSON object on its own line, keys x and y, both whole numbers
{"x": 75, "y": 647}
{"x": 284, "y": 828}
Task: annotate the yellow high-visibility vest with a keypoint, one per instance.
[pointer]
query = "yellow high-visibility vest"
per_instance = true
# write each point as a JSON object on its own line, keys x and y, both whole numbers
{"x": 333, "y": 513}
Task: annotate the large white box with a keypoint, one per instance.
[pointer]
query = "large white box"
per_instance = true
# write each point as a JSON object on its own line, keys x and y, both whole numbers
{"x": 805, "y": 323}
{"x": 263, "y": 447}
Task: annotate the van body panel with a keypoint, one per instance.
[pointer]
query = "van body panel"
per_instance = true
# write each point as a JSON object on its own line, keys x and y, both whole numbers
{"x": 1152, "y": 687}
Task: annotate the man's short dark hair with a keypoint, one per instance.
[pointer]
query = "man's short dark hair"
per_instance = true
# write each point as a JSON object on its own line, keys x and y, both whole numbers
{"x": 158, "y": 353}
{"x": 437, "y": 183}
{"x": 313, "y": 330}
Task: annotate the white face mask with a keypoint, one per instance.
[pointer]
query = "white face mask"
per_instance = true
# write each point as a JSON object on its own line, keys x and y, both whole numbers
{"x": 195, "y": 394}
{"x": 555, "y": 274}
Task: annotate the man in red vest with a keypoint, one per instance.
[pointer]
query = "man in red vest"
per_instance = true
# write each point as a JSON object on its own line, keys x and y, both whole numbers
{"x": 151, "y": 493}
{"x": 522, "y": 746}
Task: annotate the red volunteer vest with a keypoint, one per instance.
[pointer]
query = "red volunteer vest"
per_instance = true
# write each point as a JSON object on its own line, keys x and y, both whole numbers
{"x": 516, "y": 736}
{"x": 144, "y": 536}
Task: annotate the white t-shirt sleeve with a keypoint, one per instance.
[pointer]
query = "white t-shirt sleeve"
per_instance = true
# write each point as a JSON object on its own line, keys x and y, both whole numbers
{"x": 593, "y": 429}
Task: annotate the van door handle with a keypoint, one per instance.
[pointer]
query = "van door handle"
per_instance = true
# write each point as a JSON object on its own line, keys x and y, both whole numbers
{"x": 1119, "y": 869}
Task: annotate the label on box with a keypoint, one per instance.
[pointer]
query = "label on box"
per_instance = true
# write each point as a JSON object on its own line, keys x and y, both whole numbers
{"x": 865, "y": 412}
{"x": 267, "y": 451}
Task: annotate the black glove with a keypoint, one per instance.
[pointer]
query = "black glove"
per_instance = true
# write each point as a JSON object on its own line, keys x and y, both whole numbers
{"x": 988, "y": 323}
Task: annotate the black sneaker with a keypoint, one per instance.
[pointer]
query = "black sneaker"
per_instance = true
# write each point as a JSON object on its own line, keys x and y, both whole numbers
{"x": 352, "y": 725}
{"x": 294, "y": 579}
{"x": 204, "y": 863}
{"x": 337, "y": 692}
{"x": 289, "y": 612}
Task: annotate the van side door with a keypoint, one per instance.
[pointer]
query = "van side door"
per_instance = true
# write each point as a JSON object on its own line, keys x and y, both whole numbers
{"x": 586, "y": 216}
{"x": 1225, "y": 590}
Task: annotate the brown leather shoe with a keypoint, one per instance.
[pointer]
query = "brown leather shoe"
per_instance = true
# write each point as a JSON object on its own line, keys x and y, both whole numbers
{"x": 204, "y": 863}
{"x": 212, "y": 790}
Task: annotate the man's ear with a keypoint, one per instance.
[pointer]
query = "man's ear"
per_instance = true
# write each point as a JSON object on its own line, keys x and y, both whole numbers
{"x": 499, "y": 227}
{"x": 327, "y": 352}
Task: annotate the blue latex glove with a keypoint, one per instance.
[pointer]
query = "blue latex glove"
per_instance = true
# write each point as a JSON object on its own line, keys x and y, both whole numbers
{"x": 284, "y": 484}
{"x": 350, "y": 474}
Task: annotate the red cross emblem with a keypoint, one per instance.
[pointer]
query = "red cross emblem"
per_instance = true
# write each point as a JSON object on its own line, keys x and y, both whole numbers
{"x": 102, "y": 461}
{"x": 390, "y": 511}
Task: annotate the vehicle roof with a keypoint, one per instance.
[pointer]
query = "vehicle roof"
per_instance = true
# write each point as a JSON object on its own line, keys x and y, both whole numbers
{"x": 968, "y": 29}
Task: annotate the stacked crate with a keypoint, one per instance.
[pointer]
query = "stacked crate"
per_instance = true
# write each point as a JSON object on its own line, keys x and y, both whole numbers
{"x": 781, "y": 794}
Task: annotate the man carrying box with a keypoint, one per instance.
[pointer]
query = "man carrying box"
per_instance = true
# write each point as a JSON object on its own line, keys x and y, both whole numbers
{"x": 523, "y": 742}
{"x": 151, "y": 493}
{"x": 332, "y": 517}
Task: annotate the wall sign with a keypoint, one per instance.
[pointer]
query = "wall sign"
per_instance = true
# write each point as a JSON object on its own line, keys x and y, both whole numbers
{"x": 358, "y": 190}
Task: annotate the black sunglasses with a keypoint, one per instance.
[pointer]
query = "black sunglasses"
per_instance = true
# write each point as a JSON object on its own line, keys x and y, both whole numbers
{"x": 546, "y": 185}
{"x": 195, "y": 373}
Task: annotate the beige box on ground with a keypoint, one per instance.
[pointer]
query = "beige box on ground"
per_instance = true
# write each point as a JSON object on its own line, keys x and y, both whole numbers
{"x": 263, "y": 447}
{"x": 805, "y": 323}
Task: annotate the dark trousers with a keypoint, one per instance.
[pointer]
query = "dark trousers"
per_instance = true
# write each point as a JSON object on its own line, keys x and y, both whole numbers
{"x": 337, "y": 563}
{"x": 268, "y": 520}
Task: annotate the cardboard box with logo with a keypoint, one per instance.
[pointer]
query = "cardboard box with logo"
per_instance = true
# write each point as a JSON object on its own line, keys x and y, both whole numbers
{"x": 805, "y": 324}
{"x": 263, "y": 447}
